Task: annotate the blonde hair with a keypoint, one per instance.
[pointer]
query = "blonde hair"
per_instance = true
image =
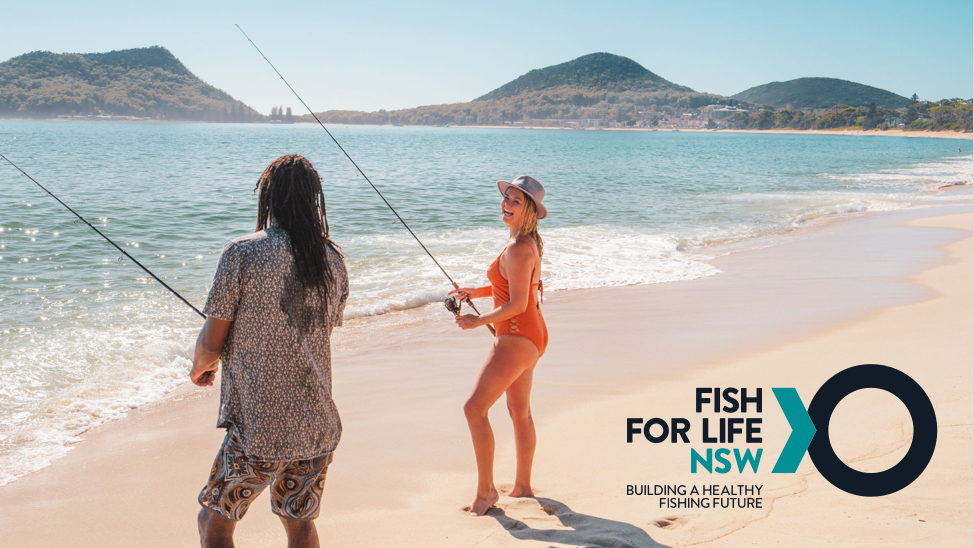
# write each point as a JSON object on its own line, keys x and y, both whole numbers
{"x": 529, "y": 223}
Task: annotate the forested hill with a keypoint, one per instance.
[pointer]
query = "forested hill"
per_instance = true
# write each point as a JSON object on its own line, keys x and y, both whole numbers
{"x": 820, "y": 93}
{"x": 592, "y": 72}
{"x": 144, "y": 82}
{"x": 594, "y": 87}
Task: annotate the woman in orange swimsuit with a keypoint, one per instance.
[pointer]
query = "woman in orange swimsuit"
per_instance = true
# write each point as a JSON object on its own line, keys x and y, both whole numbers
{"x": 515, "y": 284}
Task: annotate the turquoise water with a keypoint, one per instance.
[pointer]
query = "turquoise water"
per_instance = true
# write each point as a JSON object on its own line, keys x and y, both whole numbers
{"x": 86, "y": 337}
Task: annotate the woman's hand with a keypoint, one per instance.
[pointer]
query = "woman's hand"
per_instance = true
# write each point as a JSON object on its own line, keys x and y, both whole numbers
{"x": 468, "y": 321}
{"x": 466, "y": 293}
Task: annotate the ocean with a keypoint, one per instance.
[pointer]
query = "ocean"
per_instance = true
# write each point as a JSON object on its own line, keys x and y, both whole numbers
{"x": 88, "y": 336}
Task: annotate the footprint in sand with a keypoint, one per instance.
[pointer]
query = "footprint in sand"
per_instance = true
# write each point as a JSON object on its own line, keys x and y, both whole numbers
{"x": 670, "y": 522}
{"x": 548, "y": 520}
{"x": 548, "y": 509}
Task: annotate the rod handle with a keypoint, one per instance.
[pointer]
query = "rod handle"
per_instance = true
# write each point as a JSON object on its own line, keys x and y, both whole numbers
{"x": 470, "y": 304}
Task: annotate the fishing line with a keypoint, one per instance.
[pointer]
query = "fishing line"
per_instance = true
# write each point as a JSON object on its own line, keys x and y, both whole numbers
{"x": 109, "y": 240}
{"x": 340, "y": 147}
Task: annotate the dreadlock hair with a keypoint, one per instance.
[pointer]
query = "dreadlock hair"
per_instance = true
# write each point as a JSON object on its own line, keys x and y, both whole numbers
{"x": 289, "y": 193}
{"x": 529, "y": 223}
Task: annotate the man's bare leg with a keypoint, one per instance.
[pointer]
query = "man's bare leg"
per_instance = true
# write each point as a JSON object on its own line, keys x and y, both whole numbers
{"x": 215, "y": 530}
{"x": 300, "y": 534}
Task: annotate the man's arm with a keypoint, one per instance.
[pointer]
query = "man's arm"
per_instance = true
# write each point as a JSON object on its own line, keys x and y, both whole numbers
{"x": 209, "y": 345}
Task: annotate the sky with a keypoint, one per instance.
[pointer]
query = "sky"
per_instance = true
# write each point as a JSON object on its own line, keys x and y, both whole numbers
{"x": 370, "y": 55}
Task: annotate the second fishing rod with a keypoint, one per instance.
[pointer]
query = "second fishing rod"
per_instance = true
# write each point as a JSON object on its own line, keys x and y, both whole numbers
{"x": 453, "y": 309}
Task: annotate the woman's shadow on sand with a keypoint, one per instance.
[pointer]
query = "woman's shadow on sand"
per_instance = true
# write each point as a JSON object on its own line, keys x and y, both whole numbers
{"x": 585, "y": 530}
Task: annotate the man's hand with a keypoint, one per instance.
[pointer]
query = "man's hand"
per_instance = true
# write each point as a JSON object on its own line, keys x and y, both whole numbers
{"x": 204, "y": 377}
{"x": 209, "y": 345}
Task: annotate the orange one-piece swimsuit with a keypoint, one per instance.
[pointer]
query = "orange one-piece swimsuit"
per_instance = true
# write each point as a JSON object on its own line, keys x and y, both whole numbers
{"x": 529, "y": 324}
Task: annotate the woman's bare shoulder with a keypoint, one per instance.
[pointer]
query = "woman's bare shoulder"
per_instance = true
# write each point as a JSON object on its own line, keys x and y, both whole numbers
{"x": 521, "y": 250}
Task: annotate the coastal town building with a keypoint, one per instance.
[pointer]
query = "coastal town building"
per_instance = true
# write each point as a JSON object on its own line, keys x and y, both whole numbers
{"x": 719, "y": 112}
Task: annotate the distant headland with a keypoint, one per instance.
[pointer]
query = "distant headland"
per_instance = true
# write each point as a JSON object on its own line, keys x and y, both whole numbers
{"x": 602, "y": 90}
{"x": 598, "y": 90}
{"x": 144, "y": 83}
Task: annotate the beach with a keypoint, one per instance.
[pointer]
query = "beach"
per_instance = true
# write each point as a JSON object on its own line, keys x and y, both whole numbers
{"x": 962, "y": 135}
{"x": 947, "y": 134}
{"x": 749, "y": 334}
{"x": 889, "y": 288}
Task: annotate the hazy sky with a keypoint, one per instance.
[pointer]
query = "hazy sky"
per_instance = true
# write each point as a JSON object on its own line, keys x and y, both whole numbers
{"x": 366, "y": 55}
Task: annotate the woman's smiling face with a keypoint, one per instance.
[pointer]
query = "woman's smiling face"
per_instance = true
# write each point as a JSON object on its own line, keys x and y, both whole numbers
{"x": 512, "y": 207}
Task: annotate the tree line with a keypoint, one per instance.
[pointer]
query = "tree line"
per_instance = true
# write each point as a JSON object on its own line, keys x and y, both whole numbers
{"x": 561, "y": 103}
{"x": 629, "y": 108}
{"x": 943, "y": 115}
{"x": 279, "y": 114}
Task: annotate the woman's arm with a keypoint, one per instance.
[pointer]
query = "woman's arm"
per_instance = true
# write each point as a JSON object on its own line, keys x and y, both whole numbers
{"x": 464, "y": 293}
{"x": 517, "y": 262}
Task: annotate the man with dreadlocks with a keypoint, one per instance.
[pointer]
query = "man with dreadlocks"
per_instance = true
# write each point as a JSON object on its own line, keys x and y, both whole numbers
{"x": 276, "y": 295}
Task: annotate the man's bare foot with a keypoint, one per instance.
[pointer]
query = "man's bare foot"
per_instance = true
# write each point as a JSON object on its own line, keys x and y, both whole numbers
{"x": 521, "y": 492}
{"x": 482, "y": 504}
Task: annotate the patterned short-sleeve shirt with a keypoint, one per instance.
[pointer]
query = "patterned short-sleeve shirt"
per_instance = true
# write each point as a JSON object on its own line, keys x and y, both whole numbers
{"x": 276, "y": 385}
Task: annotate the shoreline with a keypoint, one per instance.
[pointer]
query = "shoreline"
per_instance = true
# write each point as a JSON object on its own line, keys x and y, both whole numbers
{"x": 843, "y": 131}
{"x": 872, "y": 132}
{"x": 682, "y": 313}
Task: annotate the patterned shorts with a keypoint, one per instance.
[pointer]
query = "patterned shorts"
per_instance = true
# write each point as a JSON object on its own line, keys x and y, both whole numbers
{"x": 236, "y": 480}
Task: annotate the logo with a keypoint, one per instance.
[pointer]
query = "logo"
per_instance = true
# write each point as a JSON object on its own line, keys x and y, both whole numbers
{"x": 810, "y": 430}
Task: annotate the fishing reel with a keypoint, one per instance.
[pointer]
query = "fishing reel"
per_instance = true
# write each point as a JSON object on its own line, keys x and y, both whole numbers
{"x": 452, "y": 304}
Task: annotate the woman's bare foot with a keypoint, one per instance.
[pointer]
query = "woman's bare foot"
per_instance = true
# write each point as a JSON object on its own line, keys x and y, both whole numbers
{"x": 521, "y": 492}
{"x": 482, "y": 504}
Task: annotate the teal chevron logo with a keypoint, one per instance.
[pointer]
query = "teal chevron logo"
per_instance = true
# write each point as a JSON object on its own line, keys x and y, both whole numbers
{"x": 802, "y": 431}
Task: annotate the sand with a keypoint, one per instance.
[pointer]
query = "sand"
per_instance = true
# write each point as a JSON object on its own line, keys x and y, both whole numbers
{"x": 893, "y": 289}
{"x": 841, "y": 131}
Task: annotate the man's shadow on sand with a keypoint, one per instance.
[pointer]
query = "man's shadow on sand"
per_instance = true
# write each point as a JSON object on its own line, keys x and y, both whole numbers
{"x": 585, "y": 530}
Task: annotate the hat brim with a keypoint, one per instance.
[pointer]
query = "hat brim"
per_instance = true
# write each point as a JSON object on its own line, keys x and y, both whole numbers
{"x": 542, "y": 210}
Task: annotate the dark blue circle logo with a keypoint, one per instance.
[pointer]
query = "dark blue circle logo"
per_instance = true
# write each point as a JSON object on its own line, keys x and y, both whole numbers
{"x": 921, "y": 449}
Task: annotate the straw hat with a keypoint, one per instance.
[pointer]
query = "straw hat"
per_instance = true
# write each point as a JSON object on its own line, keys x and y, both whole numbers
{"x": 531, "y": 187}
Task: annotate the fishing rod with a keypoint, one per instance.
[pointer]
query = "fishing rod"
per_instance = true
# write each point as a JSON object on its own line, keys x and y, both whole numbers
{"x": 340, "y": 147}
{"x": 109, "y": 240}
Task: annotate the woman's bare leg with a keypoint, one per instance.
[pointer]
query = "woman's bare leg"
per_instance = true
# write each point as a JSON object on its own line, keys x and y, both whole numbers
{"x": 506, "y": 361}
{"x": 525, "y": 439}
